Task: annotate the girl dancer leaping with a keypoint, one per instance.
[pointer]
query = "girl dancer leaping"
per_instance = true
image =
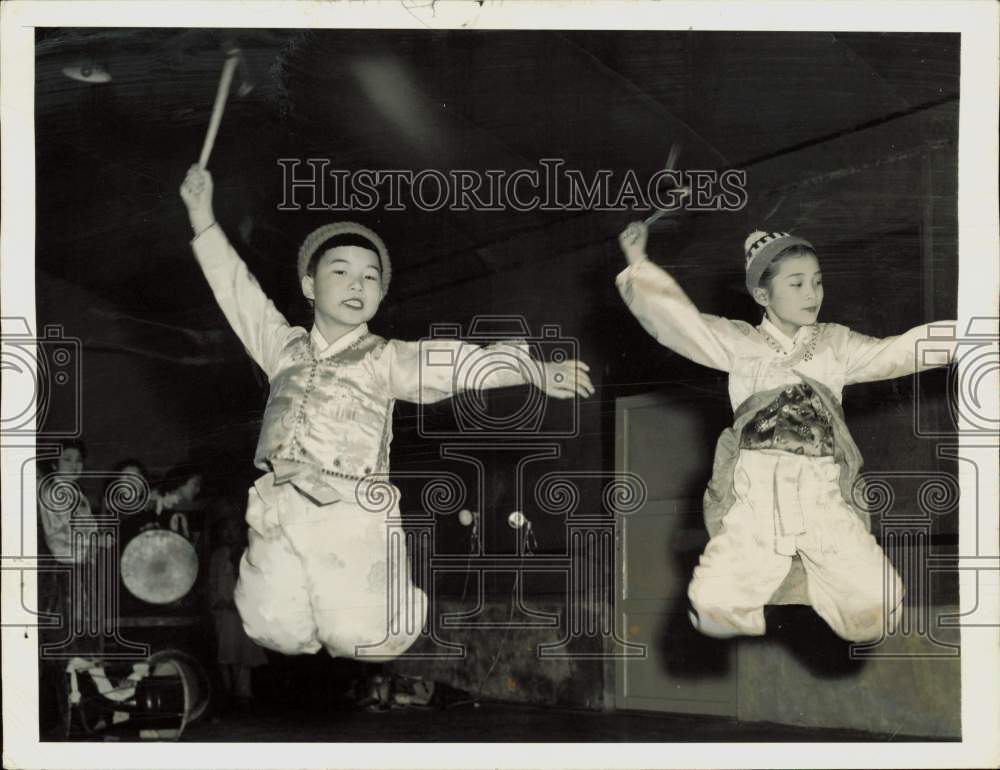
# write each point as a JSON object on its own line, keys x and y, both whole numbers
{"x": 783, "y": 474}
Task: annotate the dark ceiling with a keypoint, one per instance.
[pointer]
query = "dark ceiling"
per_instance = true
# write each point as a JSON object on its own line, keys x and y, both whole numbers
{"x": 110, "y": 156}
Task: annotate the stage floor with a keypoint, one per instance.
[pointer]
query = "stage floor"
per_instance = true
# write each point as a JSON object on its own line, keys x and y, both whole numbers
{"x": 502, "y": 722}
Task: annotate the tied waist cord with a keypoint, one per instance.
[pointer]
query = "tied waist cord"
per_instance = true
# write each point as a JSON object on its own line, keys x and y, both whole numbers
{"x": 309, "y": 487}
{"x": 789, "y": 515}
{"x": 795, "y": 482}
{"x": 305, "y": 479}
{"x": 313, "y": 485}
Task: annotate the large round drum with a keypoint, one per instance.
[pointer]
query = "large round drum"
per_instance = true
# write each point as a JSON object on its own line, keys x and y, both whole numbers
{"x": 159, "y": 566}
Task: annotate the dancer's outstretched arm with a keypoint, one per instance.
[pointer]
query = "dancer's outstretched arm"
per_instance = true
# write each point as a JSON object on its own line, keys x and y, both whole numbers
{"x": 424, "y": 372}
{"x": 919, "y": 349}
{"x": 260, "y": 326}
{"x": 666, "y": 312}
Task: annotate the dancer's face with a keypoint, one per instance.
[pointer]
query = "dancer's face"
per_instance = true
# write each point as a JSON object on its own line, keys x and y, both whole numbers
{"x": 190, "y": 489}
{"x": 70, "y": 463}
{"x": 346, "y": 287}
{"x": 794, "y": 294}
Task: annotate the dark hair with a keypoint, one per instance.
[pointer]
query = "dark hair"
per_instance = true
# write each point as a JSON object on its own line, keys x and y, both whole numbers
{"x": 108, "y": 499}
{"x": 798, "y": 250}
{"x": 74, "y": 443}
{"x": 50, "y": 465}
{"x": 131, "y": 463}
{"x": 178, "y": 475}
{"x": 345, "y": 239}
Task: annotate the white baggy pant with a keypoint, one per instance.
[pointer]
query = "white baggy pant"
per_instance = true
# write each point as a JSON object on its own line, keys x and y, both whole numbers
{"x": 786, "y": 505}
{"x": 325, "y": 576}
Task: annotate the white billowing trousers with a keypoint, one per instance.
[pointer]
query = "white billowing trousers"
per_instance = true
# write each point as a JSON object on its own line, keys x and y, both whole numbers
{"x": 323, "y": 576}
{"x": 789, "y": 504}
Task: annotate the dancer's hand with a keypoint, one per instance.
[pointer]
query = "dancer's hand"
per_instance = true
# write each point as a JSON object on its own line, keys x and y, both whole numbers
{"x": 633, "y": 242}
{"x": 566, "y": 379}
{"x": 196, "y": 192}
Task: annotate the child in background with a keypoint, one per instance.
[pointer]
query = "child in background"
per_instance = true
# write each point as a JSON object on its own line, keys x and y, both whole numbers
{"x": 176, "y": 497}
{"x": 319, "y": 572}
{"x": 784, "y": 473}
{"x": 61, "y": 500}
{"x": 130, "y": 482}
{"x": 236, "y": 654}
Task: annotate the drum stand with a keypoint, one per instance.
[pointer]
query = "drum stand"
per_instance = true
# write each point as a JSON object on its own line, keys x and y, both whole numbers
{"x": 157, "y": 698}
{"x": 106, "y": 682}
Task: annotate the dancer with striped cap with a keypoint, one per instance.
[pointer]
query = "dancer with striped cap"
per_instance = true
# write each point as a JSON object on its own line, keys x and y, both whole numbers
{"x": 781, "y": 507}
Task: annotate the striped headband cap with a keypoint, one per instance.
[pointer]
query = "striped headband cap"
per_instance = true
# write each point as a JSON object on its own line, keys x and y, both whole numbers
{"x": 761, "y": 248}
{"x": 318, "y": 237}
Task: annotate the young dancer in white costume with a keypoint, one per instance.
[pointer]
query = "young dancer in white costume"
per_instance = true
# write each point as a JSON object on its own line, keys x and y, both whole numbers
{"x": 318, "y": 568}
{"x": 784, "y": 473}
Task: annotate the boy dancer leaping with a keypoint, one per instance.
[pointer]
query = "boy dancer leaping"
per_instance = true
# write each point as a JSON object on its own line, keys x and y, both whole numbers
{"x": 317, "y": 572}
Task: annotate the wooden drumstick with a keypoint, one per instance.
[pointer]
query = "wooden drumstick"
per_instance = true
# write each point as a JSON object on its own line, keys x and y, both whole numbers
{"x": 220, "y": 104}
{"x": 672, "y": 156}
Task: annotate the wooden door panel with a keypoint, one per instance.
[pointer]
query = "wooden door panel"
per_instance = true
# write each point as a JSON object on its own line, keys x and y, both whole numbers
{"x": 668, "y": 442}
{"x": 682, "y": 671}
